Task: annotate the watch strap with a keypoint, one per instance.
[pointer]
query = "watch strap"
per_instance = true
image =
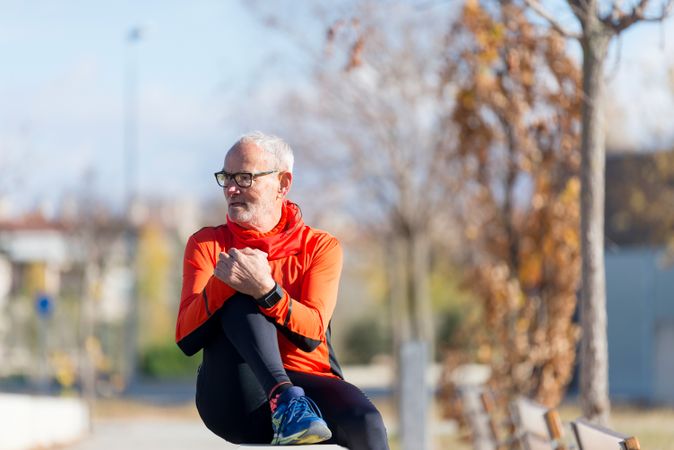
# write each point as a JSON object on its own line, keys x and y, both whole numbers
{"x": 271, "y": 298}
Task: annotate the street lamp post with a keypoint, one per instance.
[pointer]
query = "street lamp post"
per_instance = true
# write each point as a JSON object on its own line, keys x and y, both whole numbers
{"x": 131, "y": 108}
{"x": 133, "y": 37}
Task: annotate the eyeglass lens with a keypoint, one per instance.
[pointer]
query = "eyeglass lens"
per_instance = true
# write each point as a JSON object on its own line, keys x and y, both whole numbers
{"x": 241, "y": 179}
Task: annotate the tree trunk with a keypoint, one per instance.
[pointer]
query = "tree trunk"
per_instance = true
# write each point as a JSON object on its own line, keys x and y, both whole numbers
{"x": 419, "y": 267}
{"x": 398, "y": 285}
{"x": 413, "y": 355}
{"x": 400, "y": 323}
{"x": 594, "y": 347}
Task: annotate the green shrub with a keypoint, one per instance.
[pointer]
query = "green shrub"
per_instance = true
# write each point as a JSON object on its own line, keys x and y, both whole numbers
{"x": 448, "y": 329}
{"x": 167, "y": 361}
{"x": 365, "y": 338}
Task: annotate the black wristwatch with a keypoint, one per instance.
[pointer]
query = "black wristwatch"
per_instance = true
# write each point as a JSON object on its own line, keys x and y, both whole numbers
{"x": 271, "y": 298}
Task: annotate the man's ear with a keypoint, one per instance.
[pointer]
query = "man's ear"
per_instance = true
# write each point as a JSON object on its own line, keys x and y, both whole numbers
{"x": 286, "y": 180}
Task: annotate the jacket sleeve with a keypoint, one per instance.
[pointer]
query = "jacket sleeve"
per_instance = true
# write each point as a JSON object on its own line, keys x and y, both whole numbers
{"x": 202, "y": 295}
{"x": 304, "y": 321}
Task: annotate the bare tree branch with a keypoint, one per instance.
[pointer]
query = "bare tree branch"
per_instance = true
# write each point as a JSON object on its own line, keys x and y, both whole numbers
{"x": 579, "y": 8}
{"x": 554, "y": 23}
{"x": 616, "y": 9}
{"x": 618, "y": 21}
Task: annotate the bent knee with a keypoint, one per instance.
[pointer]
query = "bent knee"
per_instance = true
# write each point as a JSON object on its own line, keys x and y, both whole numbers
{"x": 238, "y": 304}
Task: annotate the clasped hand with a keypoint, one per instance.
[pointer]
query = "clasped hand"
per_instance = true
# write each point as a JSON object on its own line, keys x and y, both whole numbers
{"x": 246, "y": 270}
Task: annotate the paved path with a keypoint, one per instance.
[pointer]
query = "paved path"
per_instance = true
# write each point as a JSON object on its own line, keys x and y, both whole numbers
{"x": 151, "y": 434}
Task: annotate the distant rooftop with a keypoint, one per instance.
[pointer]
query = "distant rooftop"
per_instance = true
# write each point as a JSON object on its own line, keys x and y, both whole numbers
{"x": 30, "y": 222}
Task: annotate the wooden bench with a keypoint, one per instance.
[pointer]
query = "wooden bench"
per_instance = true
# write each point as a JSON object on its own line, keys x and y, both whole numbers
{"x": 476, "y": 414}
{"x": 595, "y": 437}
{"x": 536, "y": 426}
{"x": 532, "y": 426}
{"x": 527, "y": 424}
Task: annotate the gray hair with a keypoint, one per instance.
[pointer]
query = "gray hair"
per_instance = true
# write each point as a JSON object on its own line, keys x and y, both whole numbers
{"x": 274, "y": 145}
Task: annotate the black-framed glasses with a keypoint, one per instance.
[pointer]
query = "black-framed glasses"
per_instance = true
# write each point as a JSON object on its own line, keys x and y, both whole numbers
{"x": 242, "y": 179}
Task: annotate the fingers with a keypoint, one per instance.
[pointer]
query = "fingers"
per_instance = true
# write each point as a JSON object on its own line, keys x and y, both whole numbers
{"x": 243, "y": 269}
{"x": 253, "y": 252}
{"x": 234, "y": 252}
{"x": 222, "y": 272}
{"x": 222, "y": 268}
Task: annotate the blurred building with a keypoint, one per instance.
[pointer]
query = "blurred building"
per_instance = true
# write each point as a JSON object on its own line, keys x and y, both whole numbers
{"x": 35, "y": 259}
{"x": 53, "y": 271}
{"x": 78, "y": 260}
{"x": 640, "y": 275}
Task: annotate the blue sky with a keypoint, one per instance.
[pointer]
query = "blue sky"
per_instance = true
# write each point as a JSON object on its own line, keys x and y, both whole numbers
{"x": 62, "y": 92}
{"x": 205, "y": 68}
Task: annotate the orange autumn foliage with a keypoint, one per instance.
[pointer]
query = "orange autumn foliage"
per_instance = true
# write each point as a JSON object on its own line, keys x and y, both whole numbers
{"x": 517, "y": 115}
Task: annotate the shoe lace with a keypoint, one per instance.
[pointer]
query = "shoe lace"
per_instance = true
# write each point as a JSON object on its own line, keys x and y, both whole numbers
{"x": 301, "y": 408}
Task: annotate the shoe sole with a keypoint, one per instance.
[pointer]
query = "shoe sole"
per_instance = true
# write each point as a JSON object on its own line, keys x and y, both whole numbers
{"x": 316, "y": 433}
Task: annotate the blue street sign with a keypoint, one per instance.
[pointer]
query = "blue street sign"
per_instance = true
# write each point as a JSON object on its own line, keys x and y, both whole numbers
{"x": 44, "y": 305}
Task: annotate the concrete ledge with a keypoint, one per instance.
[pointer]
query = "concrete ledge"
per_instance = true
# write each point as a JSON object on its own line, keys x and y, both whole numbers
{"x": 36, "y": 422}
{"x": 296, "y": 447}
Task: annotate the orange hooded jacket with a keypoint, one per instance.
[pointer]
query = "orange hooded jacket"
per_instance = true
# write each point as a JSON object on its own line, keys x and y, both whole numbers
{"x": 305, "y": 262}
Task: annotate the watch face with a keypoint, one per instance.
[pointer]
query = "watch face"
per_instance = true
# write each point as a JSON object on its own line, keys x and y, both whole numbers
{"x": 272, "y": 298}
{"x": 278, "y": 291}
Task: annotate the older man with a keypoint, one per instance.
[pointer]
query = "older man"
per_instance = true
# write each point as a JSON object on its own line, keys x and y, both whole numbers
{"x": 258, "y": 295}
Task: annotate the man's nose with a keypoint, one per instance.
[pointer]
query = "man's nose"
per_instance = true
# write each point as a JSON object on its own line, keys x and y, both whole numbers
{"x": 231, "y": 188}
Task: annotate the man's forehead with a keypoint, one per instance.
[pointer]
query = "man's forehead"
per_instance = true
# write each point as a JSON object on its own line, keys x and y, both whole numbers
{"x": 247, "y": 153}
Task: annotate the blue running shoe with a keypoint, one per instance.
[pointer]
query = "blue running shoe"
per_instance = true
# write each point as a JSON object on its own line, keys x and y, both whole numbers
{"x": 297, "y": 420}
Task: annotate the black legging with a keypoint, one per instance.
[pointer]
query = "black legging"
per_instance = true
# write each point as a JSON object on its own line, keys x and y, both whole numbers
{"x": 242, "y": 364}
